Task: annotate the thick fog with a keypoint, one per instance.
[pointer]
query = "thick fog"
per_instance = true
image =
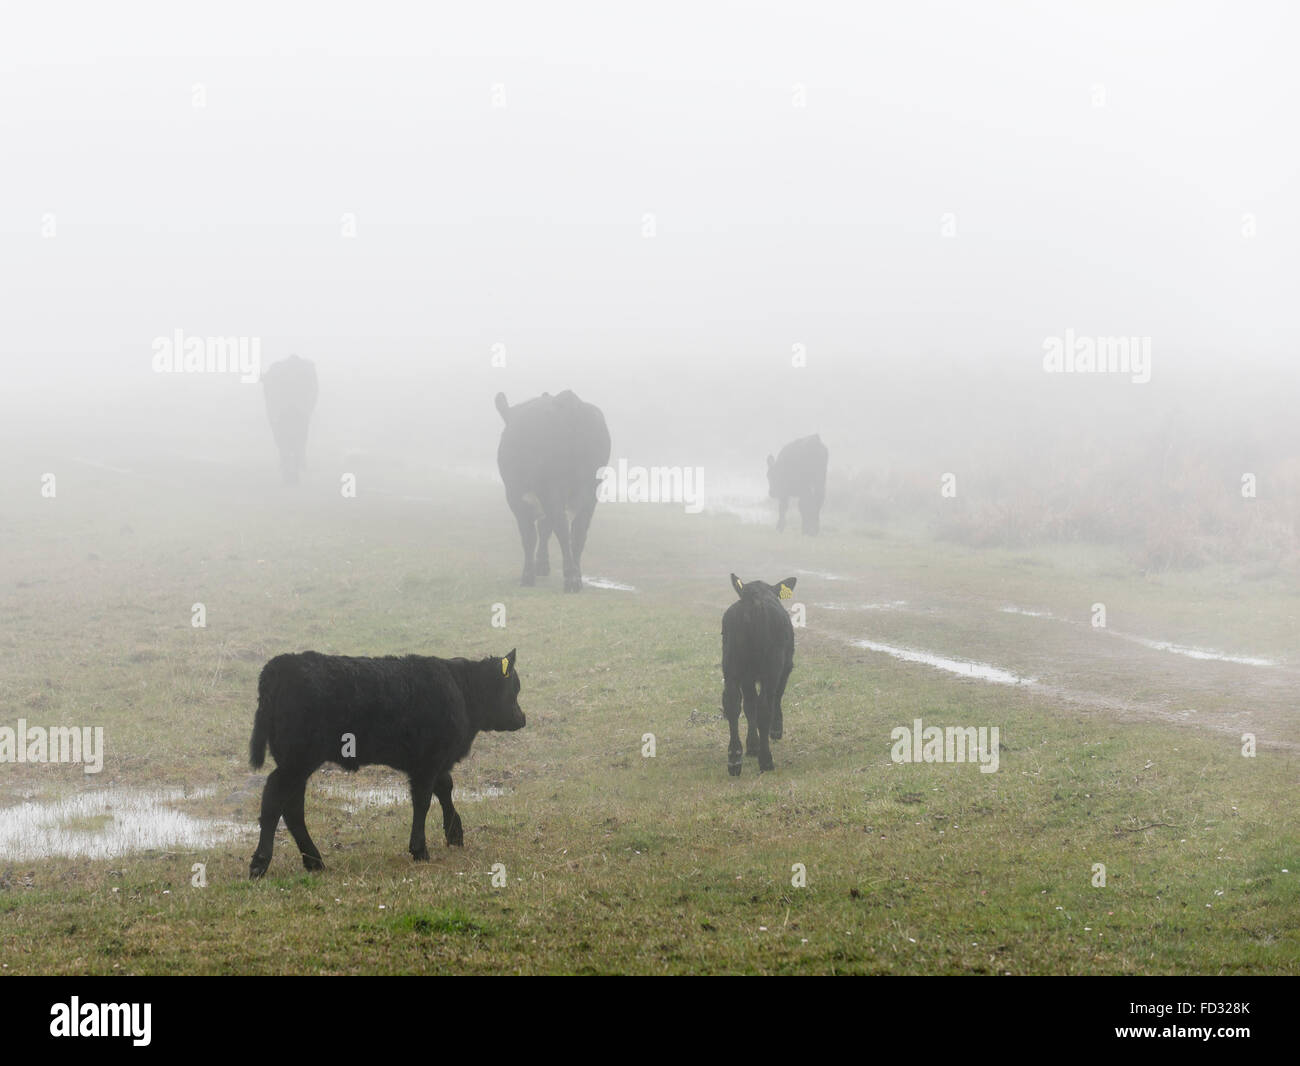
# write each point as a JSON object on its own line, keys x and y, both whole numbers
{"x": 727, "y": 224}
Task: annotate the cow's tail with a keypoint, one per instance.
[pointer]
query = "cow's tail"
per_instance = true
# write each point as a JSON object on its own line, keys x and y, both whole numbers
{"x": 261, "y": 722}
{"x": 503, "y": 407}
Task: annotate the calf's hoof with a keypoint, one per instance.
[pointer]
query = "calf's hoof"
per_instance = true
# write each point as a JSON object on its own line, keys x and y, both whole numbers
{"x": 257, "y": 868}
{"x": 312, "y": 862}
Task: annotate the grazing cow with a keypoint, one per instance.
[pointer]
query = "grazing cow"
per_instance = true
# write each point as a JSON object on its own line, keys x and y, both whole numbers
{"x": 417, "y": 714}
{"x": 550, "y": 452}
{"x": 757, "y": 650}
{"x": 800, "y": 471}
{"x": 289, "y": 387}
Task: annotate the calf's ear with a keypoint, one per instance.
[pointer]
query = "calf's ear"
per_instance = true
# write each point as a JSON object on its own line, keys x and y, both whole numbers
{"x": 737, "y": 584}
{"x": 785, "y": 589}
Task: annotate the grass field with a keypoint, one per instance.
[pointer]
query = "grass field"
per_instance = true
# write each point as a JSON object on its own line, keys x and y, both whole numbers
{"x": 1114, "y": 751}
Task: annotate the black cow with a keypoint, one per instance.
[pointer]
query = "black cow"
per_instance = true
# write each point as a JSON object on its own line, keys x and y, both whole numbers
{"x": 757, "y": 650}
{"x": 800, "y": 471}
{"x": 289, "y": 387}
{"x": 417, "y": 714}
{"x": 550, "y": 452}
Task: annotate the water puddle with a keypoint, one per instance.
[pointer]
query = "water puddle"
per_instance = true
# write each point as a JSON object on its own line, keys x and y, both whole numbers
{"x": 353, "y": 799}
{"x": 1027, "y": 613}
{"x": 962, "y": 667}
{"x": 1205, "y": 654}
{"x": 607, "y": 583}
{"x": 107, "y": 823}
{"x": 1196, "y": 653}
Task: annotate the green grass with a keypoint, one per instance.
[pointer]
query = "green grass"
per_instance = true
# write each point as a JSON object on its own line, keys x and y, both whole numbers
{"x": 618, "y": 863}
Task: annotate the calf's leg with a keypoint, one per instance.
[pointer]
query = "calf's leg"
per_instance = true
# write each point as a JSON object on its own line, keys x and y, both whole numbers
{"x": 421, "y": 794}
{"x": 294, "y": 793}
{"x": 751, "y": 716}
{"x": 451, "y": 826}
{"x": 731, "y": 708}
{"x": 271, "y": 807}
{"x": 778, "y": 722}
{"x": 765, "y": 700}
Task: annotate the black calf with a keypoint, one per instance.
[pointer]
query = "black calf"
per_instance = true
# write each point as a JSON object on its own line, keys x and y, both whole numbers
{"x": 417, "y": 714}
{"x": 757, "y": 657}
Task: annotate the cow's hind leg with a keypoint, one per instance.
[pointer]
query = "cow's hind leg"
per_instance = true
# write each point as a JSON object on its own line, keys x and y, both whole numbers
{"x": 527, "y": 521}
{"x": 451, "y": 826}
{"x": 578, "y": 534}
{"x": 272, "y": 805}
{"x": 421, "y": 794}
{"x": 559, "y": 519}
{"x": 810, "y": 510}
{"x": 731, "y": 708}
{"x": 294, "y": 793}
{"x": 543, "y": 546}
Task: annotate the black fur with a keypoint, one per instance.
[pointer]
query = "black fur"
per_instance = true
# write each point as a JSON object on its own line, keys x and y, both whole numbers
{"x": 289, "y": 388}
{"x": 757, "y": 657}
{"x": 551, "y": 449}
{"x": 417, "y": 714}
{"x": 800, "y": 471}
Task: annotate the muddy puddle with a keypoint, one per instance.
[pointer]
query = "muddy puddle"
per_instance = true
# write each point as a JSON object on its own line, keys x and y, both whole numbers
{"x": 962, "y": 667}
{"x": 353, "y": 798}
{"x": 106, "y": 823}
{"x": 608, "y": 583}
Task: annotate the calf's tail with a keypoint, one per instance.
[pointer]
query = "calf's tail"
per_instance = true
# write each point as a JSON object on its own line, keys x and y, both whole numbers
{"x": 257, "y": 745}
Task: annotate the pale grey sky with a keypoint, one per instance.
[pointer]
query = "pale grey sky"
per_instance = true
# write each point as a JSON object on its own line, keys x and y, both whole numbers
{"x": 1098, "y": 162}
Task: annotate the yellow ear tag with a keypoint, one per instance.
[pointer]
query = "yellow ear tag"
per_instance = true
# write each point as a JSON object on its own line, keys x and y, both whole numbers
{"x": 505, "y": 667}
{"x": 786, "y": 593}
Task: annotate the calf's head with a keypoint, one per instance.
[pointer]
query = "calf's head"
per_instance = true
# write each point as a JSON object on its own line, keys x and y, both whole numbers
{"x": 500, "y": 708}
